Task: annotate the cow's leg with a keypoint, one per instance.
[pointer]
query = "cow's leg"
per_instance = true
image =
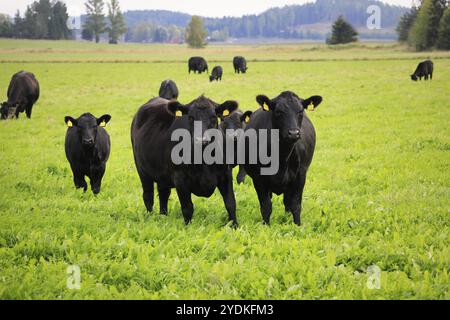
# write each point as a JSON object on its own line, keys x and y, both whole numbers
{"x": 17, "y": 112}
{"x": 28, "y": 110}
{"x": 431, "y": 76}
{"x": 148, "y": 191}
{"x": 296, "y": 203}
{"x": 265, "y": 200}
{"x": 287, "y": 200}
{"x": 226, "y": 190}
{"x": 164, "y": 194}
{"x": 96, "y": 178}
{"x": 187, "y": 207}
{"x": 78, "y": 179}
{"x": 241, "y": 175}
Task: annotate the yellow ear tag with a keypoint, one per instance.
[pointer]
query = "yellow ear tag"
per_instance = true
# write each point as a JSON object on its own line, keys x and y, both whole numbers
{"x": 226, "y": 113}
{"x": 247, "y": 119}
{"x": 69, "y": 124}
{"x": 178, "y": 113}
{"x": 103, "y": 124}
{"x": 311, "y": 107}
{"x": 266, "y": 107}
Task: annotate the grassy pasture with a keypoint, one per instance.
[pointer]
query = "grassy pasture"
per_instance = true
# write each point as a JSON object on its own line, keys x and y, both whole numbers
{"x": 377, "y": 193}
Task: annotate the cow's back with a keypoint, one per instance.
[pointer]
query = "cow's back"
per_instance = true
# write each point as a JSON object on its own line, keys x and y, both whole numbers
{"x": 23, "y": 85}
{"x": 150, "y": 137}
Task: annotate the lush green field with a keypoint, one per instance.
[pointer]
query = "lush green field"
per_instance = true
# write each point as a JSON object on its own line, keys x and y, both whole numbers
{"x": 378, "y": 191}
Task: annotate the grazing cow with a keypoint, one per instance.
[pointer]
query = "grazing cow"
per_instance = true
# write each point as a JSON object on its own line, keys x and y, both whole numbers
{"x": 229, "y": 126}
{"x": 424, "y": 69}
{"x": 168, "y": 90}
{"x": 23, "y": 92}
{"x": 297, "y": 139}
{"x": 240, "y": 65}
{"x": 216, "y": 74}
{"x": 198, "y": 64}
{"x": 151, "y": 133}
{"x": 87, "y": 149}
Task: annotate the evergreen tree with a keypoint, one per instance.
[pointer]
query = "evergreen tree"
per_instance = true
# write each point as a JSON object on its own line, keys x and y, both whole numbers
{"x": 6, "y": 27}
{"x": 30, "y": 25}
{"x": 195, "y": 33}
{"x": 42, "y": 13}
{"x": 405, "y": 24}
{"x": 444, "y": 31}
{"x": 18, "y": 27}
{"x": 424, "y": 33}
{"x": 95, "y": 20}
{"x": 58, "y": 22}
{"x": 343, "y": 32}
{"x": 117, "y": 23}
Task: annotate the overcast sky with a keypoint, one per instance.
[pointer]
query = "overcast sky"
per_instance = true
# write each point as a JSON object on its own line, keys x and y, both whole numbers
{"x": 210, "y": 8}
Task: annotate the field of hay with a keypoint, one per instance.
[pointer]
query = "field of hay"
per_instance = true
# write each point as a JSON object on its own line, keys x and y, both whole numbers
{"x": 377, "y": 194}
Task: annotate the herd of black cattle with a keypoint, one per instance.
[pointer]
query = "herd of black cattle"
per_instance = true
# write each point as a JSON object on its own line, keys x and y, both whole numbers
{"x": 88, "y": 144}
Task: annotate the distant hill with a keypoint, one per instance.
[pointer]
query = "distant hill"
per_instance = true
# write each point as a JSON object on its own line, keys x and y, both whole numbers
{"x": 308, "y": 21}
{"x": 157, "y": 17}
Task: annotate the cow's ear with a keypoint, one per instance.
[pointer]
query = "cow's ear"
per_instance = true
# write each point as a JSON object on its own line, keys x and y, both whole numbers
{"x": 177, "y": 109}
{"x": 226, "y": 108}
{"x": 71, "y": 122}
{"x": 311, "y": 103}
{"x": 265, "y": 102}
{"x": 246, "y": 116}
{"x": 103, "y": 120}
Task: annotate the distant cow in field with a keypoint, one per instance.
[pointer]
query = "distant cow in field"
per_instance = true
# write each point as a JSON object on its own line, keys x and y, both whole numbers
{"x": 23, "y": 92}
{"x": 216, "y": 74}
{"x": 198, "y": 64}
{"x": 297, "y": 140}
{"x": 87, "y": 149}
{"x": 424, "y": 69}
{"x": 151, "y": 133}
{"x": 240, "y": 65}
{"x": 168, "y": 90}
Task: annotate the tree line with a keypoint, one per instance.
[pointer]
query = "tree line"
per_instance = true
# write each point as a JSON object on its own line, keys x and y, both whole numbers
{"x": 427, "y": 26}
{"x": 43, "y": 19}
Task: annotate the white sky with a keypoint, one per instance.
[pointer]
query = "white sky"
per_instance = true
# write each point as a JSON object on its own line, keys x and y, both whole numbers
{"x": 209, "y": 8}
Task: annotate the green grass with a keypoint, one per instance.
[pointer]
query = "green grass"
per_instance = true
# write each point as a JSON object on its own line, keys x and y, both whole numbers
{"x": 377, "y": 192}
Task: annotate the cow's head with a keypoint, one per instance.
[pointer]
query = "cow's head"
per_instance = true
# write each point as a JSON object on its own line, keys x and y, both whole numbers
{"x": 168, "y": 90}
{"x": 233, "y": 122}
{"x": 205, "y": 111}
{"x": 244, "y": 70}
{"x": 9, "y": 110}
{"x": 287, "y": 112}
{"x": 87, "y": 127}
{"x": 413, "y": 77}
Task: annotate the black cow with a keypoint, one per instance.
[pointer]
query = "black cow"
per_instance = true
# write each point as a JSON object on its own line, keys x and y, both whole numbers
{"x": 424, "y": 69}
{"x": 23, "y": 92}
{"x": 240, "y": 65}
{"x": 198, "y": 64}
{"x": 216, "y": 74}
{"x": 297, "y": 141}
{"x": 87, "y": 149}
{"x": 237, "y": 120}
{"x": 151, "y": 133}
{"x": 168, "y": 90}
